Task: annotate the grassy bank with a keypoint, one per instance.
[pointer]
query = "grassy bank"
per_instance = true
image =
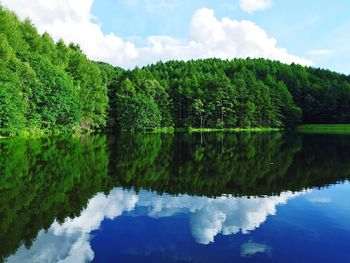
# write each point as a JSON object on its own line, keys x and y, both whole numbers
{"x": 233, "y": 129}
{"x": 202, "y": 130}
{"x": 39, "y": 133}
{"x": 325, "y": 128}
{"x": 163, "y": 130}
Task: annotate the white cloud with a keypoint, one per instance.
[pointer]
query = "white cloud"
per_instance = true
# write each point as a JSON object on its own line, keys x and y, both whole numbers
{"x": 73, "y": 21}
{"x": 251, "y": 6}
{"x": 210, "y": 37}
{"x": 319, "y": 52}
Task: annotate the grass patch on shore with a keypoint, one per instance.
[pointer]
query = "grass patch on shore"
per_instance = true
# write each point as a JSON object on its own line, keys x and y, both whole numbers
{"x": 36, "y": 133}
{"x": 163, "y": 130}
{"x": 208, "y": 130}
{"x": 325, "y": 128}
{"x": 233, "y": 129}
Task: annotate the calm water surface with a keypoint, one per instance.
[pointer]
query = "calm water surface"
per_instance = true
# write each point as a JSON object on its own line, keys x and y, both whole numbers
{"x": 219, "y": 197}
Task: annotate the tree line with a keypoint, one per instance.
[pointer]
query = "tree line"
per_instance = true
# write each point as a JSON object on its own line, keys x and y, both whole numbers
{"x": 239, "y": 93}
{"x": 51, "y": 86}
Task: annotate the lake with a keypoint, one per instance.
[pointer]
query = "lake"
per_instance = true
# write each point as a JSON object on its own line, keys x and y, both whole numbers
{"x": 211, "y": 197}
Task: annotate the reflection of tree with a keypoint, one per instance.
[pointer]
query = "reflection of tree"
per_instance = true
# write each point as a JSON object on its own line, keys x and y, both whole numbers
{"x": 324, "y": 160}
{"x": 242, "y": 164}
{"x": 235, "y": 163}
{"x": 43, "y": 180}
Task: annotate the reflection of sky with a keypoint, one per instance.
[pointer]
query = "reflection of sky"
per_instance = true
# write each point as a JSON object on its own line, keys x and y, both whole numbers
{"x": 208, "y": 217}
{"x": 250, "y": 249}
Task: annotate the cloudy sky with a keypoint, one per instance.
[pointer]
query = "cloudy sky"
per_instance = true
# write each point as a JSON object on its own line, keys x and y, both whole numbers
{"x": 138, "y": 32}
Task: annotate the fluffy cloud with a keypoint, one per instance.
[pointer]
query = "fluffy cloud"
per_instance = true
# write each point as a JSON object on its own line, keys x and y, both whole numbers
{"x": 210, "y": 37}
{"x": 73, "y": 21}
{"x": 70, "y": 241}
{"x": 251, "y": 6}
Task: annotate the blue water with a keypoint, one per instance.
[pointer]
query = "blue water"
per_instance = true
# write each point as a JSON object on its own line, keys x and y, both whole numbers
{"x": 311, "y": 227}
{"x": 125, "y": 226}
{"x": 176, "y": 198}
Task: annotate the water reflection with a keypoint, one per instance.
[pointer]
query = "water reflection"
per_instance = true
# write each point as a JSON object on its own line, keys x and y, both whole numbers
{"x": 69, "y": 241}
{"x": 49, "y": 180}
{"x": 250, "y": 249}
{"x": 208, "y": 217}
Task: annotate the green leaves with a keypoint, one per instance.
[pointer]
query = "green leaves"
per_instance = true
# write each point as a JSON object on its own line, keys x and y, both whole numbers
{"x": 137, "y": 113}
{"x": 12, "y": 109}
{"x": 44, "y": 85}
{"x": 52, "y": 86}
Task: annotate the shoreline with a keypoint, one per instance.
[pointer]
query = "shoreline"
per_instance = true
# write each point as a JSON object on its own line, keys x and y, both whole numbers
{"x": 324, "y": 128}
{"x": 208, "y": 130}
{"x": 304, "y": 128}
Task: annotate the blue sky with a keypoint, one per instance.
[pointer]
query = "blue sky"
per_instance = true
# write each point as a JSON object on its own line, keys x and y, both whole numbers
{"x": 131, "y": 33}
{"x": 299, "y": 26}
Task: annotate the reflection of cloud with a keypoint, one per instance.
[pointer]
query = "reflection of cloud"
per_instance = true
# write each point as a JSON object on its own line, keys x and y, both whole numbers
{"x": 99, "y": 207}
{"x": 231, "y": 215}
{"x": 49, "y": 247}
{"x": 69, "y": 242}
{"x": 250, "y": 249}
{"x": 209, "y": 217}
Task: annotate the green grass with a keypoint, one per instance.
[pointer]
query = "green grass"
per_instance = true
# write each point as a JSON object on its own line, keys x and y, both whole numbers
{"x": 36, "y": 133}
{"x": 258, "y": 129}
{"x": 325, "y": 128}
{"x": 207, "y": 130}
{"x": 163, "y": 130}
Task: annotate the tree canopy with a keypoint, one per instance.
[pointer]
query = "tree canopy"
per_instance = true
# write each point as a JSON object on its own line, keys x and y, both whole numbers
{"x": 239, "y": 93}
{"x": 47, "y": 85}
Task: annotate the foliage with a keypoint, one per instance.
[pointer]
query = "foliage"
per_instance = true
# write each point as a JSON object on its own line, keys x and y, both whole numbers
{"x": 137, "y": 113}
{"x": 51, "y": 86}
{"x": 241, "y": 93}
{"x": 46, "y": 85}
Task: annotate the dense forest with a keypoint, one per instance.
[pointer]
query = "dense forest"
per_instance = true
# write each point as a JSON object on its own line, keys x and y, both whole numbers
{"x": 45, "y": 85}
{"x": 48, "y": 86}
